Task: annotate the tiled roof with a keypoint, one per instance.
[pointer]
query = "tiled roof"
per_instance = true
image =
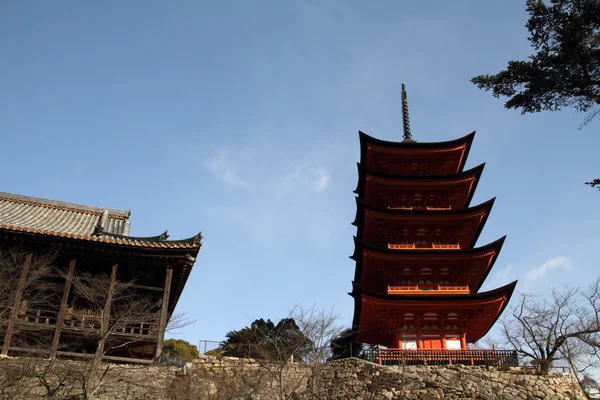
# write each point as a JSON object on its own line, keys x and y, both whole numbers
{"x": 57, "y": 216}
{"x": 76, "y": 221}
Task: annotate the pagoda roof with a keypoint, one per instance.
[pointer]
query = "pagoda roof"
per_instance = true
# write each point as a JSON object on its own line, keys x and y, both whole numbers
{"x": 460, "y": 147}
{"x": 40, "y": 216}
{"x": 424, "y": 217}
{"x": 417, "y": 181}
{"x": 431, "y": 258}
{"x": 488, "y": 305}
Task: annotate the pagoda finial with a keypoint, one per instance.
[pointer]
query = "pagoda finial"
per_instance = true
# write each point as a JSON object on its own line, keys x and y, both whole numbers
{"x": 405, "y": 122}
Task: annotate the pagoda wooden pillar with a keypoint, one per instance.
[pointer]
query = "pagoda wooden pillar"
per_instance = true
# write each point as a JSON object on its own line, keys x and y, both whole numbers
{"x": 419, "y": 341}
{"x": 443, "y": 339}
{"x": 15, "y": 310}
{"x": 63, "y": 309}
{"x": 463, "y": 340}
{"x": 164, "y": 309}
{"x": 397, "y": 340}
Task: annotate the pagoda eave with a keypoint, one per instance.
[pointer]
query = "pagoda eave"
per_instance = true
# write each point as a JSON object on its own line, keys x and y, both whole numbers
{"x": 455, "y": 191}
{"x": 458, "y": 147}
{"x": 373, "y": 265}
{"x": 371, "y": 307}
{"x": 359, "y": 245}
{"x": 436, "y": 214}
{"x": 369, "y": 218}
{"x": 425, "y": 300}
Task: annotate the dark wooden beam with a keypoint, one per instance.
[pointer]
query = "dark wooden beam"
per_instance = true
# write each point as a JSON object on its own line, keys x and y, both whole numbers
{"x": 82, "y": 355}
{"x": 15, "y": 310}
{"x": 154, "y": 288}
{"x": 109, "y": 358}
{"x": 164, "y": 310}
{"x": 63, "y": 309}
{"x": 34, "y": 350}
{"x": 135, "y": 286}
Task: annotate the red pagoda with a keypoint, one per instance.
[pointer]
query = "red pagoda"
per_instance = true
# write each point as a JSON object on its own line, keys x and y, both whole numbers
{"x": 418, "y": 272}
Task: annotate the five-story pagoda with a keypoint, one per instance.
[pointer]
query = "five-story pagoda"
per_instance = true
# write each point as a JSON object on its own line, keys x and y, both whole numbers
{"x": 418, "y": 272}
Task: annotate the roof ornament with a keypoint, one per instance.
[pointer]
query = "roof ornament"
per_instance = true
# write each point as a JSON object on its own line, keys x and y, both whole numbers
{"x": 405, "y": 122}
{"x": 198, "y": 239}
{"x": 98, "y": 229}
{"x": 164, "y": 236}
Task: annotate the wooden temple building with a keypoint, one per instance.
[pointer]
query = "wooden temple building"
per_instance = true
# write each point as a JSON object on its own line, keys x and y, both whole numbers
{"x": 418, "y": 272}
{"x": 103, "y": 292}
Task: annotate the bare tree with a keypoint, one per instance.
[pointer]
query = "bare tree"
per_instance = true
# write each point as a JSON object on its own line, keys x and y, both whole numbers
{"x": 316, "y": 328}
{"x": 566, "y": 325}
{"x": 12, "y": 263}
{"x": 119, "y": 315}
{"x": 24, "y": 287}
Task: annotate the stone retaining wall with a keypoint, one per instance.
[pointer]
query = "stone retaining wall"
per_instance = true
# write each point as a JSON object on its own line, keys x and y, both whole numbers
{"x": 230, "y": 378}
{"x": 345, "y": 378}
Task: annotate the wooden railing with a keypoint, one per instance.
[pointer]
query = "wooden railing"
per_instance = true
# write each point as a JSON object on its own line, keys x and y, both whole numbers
{"x": 445, "y": 246}
{"x": 83, "y": 320}
{"x": 488, "y": 357}
{"x": 413, "y": 246}
{"x": 402, "y": 246}
{"x": 427, "y": 289}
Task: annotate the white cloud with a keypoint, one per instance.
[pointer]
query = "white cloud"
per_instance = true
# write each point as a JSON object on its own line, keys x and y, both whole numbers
{"x": 502, "y": 276}
{"x": 321, "y": 180}
{"x": 278, "y": 192}
{"x": 553, "y": 263}
{"x": 223, "y": 167}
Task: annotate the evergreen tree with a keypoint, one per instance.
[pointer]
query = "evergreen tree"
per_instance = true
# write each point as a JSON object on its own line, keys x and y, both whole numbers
{"x": 564, "y": 70}
{"x": 265, "y": 340}
{"x": 344, "y": 346}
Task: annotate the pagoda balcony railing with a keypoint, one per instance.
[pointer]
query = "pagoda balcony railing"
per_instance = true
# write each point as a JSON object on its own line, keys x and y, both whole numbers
{"x": 487, "y": 357}
{"x": 433, "y": 246}
{"x": 82, "y": 320}
{"x": 402, "y": 246}
{"x": 445, "y": 246}
{"x": 409, "y": 208}
{"x": 428, "y": 289}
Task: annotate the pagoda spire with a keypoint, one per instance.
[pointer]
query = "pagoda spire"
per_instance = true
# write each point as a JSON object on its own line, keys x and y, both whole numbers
{"x": 405, "y": 122}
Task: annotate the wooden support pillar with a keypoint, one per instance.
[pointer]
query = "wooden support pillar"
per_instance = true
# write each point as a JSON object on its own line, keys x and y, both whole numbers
{"x": 463, "y": 341}
{"x": 63, "y": 309}
{"x": 444, "y": 342}
{"x": 164, "y": 309}
{"x": 106, "y": 312}
{"x": 15, "y": 310}
{"x": 397, "y": 340}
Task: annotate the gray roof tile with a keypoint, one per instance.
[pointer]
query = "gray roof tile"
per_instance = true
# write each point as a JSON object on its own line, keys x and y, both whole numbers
{"x": 34, "y": 213}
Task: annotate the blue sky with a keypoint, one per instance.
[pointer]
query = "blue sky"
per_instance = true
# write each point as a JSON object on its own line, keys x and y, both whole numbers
{"x": 239, "y": 119}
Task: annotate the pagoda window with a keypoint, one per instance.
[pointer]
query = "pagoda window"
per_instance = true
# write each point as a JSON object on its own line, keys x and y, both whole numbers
{"x": 409, "y": 344}
{"x": 453, "y": 344}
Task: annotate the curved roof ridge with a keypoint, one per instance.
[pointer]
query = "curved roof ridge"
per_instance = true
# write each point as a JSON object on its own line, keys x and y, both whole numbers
{"x": 496, "y": 243}
{"x": 486, "y": 204}
{"x": 158, "y": 238}
{"x": 506, "y": 289}
{"x": 465, "y": 139}
{"x": 477, "y": 170}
